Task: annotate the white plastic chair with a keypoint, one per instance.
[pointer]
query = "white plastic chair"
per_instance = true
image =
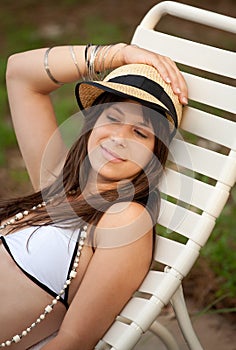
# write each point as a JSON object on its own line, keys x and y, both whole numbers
{"x": 190, "y": 204}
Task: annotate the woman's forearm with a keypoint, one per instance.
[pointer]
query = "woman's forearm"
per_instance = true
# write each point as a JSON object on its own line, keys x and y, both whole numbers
{"x": 40, "y": 68}
{"x": 65, "y": 63}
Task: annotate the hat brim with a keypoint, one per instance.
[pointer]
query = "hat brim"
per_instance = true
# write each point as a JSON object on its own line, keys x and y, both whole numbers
{"x": 87, "y": 92}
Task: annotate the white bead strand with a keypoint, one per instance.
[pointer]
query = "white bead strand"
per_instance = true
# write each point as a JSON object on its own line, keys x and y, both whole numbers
{"x": 49, "y": 308}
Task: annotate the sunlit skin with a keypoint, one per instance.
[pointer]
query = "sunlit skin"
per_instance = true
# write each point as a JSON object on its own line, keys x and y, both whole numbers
{"x": 120, "y": 145}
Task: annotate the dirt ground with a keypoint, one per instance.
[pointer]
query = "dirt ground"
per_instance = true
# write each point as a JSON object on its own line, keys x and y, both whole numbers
{"x": 213, "y": 331}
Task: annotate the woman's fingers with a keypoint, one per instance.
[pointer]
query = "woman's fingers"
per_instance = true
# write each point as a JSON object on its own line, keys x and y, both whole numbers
{"x": 165, "y": 66}
{"x": 178, "y": 83}
{"x": 172, "y": 75}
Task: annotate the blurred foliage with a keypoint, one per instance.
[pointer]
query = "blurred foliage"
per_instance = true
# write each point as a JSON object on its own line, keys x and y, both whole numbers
{"x": 221, "y": 248}
{"x": 29, "y": 24}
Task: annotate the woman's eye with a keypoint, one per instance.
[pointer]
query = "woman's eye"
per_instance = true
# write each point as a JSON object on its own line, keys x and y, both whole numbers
{"x": 112, "y": 119}
{"x": 140, "y": 133}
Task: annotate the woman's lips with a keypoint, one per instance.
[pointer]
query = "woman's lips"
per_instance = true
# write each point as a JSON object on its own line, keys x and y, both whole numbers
{"x": 111, "y": 156}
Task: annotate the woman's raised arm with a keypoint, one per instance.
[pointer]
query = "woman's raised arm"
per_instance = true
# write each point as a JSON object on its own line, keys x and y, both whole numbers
{"x": 29, "y": 89}
{"x": 29, "y": 86}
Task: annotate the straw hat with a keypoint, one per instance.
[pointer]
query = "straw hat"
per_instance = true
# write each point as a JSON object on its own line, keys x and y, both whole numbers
{"x": 139, "y": 82}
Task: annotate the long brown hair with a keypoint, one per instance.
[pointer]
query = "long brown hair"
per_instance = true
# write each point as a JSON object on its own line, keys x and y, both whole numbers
{"x": 77, "y": 210}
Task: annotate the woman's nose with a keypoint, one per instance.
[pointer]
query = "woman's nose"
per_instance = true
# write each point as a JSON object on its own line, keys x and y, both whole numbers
{"x": 119, "y": 135}
{"x": 118, "y": 141}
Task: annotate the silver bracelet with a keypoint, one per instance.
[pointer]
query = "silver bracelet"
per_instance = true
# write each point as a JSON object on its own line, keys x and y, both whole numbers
{"x": 86, "y": 58}
{"x": 106, "y": 49}
{"x": 91, "y": 53}
{"x": 72, "y": 52}
{"x": 91, "y": 69}
{"x": 47, "y": 69}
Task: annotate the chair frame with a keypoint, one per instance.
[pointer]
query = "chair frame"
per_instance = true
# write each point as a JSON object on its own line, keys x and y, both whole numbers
{"x": 162, "y": 287}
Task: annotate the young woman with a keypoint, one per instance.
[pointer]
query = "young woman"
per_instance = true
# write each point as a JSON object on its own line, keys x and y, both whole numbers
{"x": 73, "y": 252}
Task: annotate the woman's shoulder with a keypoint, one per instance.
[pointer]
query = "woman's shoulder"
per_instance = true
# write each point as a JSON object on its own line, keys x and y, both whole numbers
{"x": 123, "y": 223}
{"x": 122, "y": 212}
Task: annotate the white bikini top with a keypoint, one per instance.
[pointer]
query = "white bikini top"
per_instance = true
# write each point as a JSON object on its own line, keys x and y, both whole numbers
{"x": 44, "y": 253}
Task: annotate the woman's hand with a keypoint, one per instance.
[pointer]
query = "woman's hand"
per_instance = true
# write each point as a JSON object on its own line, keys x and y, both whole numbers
{"x": 165, "y": 66}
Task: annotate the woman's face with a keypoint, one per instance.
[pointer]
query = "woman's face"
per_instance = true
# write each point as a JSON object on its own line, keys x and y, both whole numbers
{"x": 121, "y": 142}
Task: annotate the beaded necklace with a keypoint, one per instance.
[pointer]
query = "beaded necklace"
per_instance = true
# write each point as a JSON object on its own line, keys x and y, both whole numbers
{"x": 49, "y": 308}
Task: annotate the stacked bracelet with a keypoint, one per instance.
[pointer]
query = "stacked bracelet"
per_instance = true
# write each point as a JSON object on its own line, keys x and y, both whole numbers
{"x": 91, "y": 71}
{"x": 92, "y": 53}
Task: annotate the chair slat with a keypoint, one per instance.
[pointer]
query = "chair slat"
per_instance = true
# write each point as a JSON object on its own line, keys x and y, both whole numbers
{"x": 130, "y": 336}
{"x": 167, "y": 250}
{"x": 194, "y": 192}
{"x": 151, "y": 282}
{"x": 187, "y": 52}
{"x": 211, "y": 93}
{"x": 189, "y": 13}
{"x": 200, "y": 160}
{"x": 177, "y": 218}
{"x": 185, "y": 222}
{"x": 210, "y": 127}
{"x": 141, "y": 311}
{"x": 175, "y": 254}
{"x": 187, "y": 189}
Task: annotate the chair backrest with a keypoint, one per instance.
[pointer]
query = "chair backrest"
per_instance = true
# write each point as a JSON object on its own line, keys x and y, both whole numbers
{"x": 201, "y": 168}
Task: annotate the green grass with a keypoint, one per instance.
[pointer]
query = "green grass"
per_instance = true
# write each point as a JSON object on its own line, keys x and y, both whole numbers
{"x": 221, "y": 247}
{"x": 101, "y": 31}
{"x": 7, "y": 137}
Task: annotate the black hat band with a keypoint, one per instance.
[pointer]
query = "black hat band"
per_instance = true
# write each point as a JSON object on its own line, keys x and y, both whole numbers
{"x": 148, "y": 85}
